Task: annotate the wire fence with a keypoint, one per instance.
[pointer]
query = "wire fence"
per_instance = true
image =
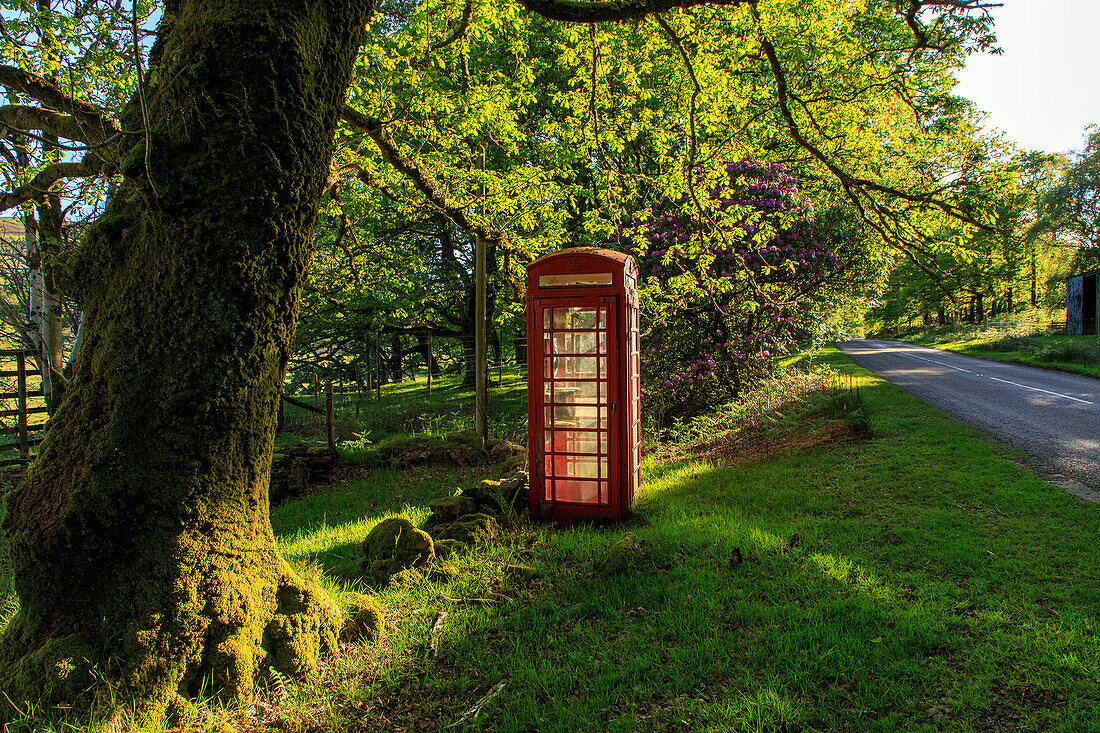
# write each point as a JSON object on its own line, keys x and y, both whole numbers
{"x": 22, "y": 407}
{"x": 412, "y": 390}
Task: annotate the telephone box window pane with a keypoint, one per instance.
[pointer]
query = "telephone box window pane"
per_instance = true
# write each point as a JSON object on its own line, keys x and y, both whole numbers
{"x": 576, "y": 490}
{"x": 563, "y": 343}
{"x": 575, "y": 442}
{"x": 603, "y": 442}
{"x": 579, "y": 416}
{"x": 547, "y": 440}
{"x": 549, "y": 417}
{"x": 603, "y": 367}
{"x": 575, "y": 318}
{"x": 546, "y": 345}
{"x": 603, "y": 466}
{"x": 546, "y": 319}
{"x": 574, "y": 392}
{"x": 573, "y": 466}
{"x": 547, "y": 391}
{"x": 585, "y": 343}
{"x": 603, "y": 318}
{"x": 582, "y": 367}
{"x": 603, "y": 492}
{"x": 603, "y": 342}
{"x": 549, "y": 465}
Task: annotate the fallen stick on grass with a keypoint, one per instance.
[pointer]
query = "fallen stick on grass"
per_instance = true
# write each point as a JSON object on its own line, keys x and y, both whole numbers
{"x": 434, "y": 632}
{"x": 475, "y": 711}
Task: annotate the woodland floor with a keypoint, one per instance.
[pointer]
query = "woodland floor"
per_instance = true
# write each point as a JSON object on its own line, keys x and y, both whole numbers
{"x": 798, "y": 576}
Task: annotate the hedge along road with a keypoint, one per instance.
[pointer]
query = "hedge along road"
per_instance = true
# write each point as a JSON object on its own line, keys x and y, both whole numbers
{"x": 1053, "y": 418}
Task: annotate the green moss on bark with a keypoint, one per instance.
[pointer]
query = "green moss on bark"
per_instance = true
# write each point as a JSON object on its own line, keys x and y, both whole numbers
{"x": 141, "y": 543}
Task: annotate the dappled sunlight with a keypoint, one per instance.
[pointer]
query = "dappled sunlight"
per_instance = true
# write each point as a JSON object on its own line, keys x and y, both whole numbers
{"x": 853, "y": 575}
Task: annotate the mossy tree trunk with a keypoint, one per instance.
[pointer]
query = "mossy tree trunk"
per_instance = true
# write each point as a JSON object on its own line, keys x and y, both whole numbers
{"x": 141, "y": 542}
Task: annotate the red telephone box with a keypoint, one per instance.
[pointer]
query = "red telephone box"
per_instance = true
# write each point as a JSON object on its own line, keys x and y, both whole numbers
{"x": 584, "y": 388}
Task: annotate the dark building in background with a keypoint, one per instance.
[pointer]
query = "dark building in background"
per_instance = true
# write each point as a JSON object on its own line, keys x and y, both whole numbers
{"x": 1082, "y": 303}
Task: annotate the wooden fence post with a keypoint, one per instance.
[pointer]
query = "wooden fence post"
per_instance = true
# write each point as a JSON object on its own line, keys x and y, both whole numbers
{"x": 21, "y": 367}
{"x": 330, "y": 417}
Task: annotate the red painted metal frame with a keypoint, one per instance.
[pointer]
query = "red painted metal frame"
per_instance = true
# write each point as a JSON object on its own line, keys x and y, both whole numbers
{"x": 622, "y": 400}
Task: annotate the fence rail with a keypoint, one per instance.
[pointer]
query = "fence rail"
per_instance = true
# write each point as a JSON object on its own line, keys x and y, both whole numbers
{"x": 1029, "y": 327}
{"x": 29, "y": 435}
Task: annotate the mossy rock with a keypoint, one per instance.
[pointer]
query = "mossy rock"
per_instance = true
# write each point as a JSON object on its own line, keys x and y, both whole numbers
{"x": 443, "y": 574}
{"x": 504, "y": 451}
{"x": 397, "y": 447}
{"x": 468, "y": 438}
{"x": 447, "y": 548}
{"x": 514, "y": 462}
{"x": 521, "y": 572}
{"x": 365, "y": 619}
{"x": 471, "y": 530}
{"x": 625, "y": 555}
{"x": 407, "y": 578}
{"x": 394, "y": 545}
{"x": 450, "y": 508}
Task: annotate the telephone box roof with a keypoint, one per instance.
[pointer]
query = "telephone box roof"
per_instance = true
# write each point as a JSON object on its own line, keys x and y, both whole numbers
{"x": 622, "y": 258}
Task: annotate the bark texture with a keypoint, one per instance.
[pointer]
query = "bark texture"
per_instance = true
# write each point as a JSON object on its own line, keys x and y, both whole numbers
{"x": 141, "y": 542}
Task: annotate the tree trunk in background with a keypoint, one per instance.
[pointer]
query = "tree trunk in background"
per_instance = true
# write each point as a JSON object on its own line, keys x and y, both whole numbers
{"x": 141, "y": 541}
{"x": 48, "y": 305}
{"x": 396, "y": 357}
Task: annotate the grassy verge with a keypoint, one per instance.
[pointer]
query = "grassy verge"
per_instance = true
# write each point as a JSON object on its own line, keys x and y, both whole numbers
{"x": 914, "y": 582}
{"x": 1074, "y": 354}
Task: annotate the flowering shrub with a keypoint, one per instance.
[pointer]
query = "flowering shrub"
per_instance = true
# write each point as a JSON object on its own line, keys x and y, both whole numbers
{"x": 724, "y": 284}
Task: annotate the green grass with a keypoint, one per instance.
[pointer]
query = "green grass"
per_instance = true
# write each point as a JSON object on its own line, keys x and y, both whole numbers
{"x": 918, "y": 581}
{"x": 405, "y": 408}
{"x": 1075, "y": 354}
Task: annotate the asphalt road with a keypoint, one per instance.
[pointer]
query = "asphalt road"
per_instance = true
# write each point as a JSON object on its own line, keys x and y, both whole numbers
{"x": 1052, "y": 417}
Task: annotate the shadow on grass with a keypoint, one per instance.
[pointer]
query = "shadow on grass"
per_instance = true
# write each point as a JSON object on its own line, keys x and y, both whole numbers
{"x": 912, "y": 582}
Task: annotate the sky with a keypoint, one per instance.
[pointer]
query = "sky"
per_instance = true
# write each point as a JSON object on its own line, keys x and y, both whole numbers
{"x": 1045, "y": 88}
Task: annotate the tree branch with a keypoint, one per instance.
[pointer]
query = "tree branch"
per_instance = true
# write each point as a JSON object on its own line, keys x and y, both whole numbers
{"x": 602, "y": 11}
{"x": 460, "y": 31}
{"x": 38, "y": 186}
{"x": 25, "y": 119}
{"x": 421, "y": 178}
{"x": 50, "y": 95}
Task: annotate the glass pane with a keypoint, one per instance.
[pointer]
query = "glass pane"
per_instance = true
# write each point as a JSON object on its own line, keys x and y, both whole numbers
{"x": 603, "y": 367}
{"x": 603, "y": 492}
{"x": 603, "y": 342}
{"x": 571, "y": 392}
{"x": 546, "y": 344}
{"x": 577, "y": 416}
{"x": 573, "y": 466}
{"x": 603, "y": 466}
{"x": 575, "y": 318}
{"x": 583, "y": 367}
{"x": 549, "y": 417}
{"x": 563, "y": 343}
{"x": 603, "y": 318}
{"x": 603, "y": 442}
{"x": 547, "y": 438}
{"x": 546, "y": 391}
{"x": 585, "y": 343}
{"x": 571, "y": 441}
{"x": 579, "y": 491}
{"x": 546, "y": 319}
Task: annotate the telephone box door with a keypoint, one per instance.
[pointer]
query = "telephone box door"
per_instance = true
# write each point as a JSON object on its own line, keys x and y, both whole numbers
{"x": 576, "y": 400}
